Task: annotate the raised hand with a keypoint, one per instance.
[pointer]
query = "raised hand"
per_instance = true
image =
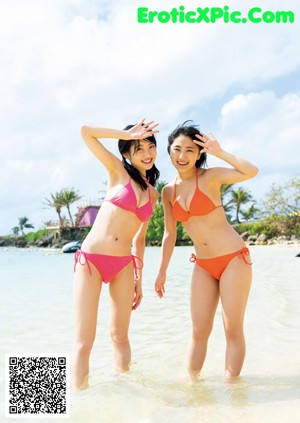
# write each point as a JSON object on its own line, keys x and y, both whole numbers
{"x": 209, "y": 143}
{"x": 142, "y": 130}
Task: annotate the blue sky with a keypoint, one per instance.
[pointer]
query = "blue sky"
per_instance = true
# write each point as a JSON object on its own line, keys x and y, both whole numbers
{"x": 70, "y": 62}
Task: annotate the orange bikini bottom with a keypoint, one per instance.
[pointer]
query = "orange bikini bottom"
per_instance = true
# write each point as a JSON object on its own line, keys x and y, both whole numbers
{"x": 215, "y": 266}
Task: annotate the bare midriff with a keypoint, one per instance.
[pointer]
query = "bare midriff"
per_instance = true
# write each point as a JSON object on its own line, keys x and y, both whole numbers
{"x": 212, "y": 235}
{"x": 112, "y": 232}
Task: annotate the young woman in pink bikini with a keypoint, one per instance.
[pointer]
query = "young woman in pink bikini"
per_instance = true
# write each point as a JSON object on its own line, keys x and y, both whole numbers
{"x": 222, "y": 262}
{"x": 105, "y": 255}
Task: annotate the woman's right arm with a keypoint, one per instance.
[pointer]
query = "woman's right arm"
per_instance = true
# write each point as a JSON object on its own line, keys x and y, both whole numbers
{"x": 168, "y": 241}
{"x": 92, "y": 135}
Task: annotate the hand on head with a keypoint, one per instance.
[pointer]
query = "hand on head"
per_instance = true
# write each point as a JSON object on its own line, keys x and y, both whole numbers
{"x": 143, "y": 130}
{"x": 209, "y": 143}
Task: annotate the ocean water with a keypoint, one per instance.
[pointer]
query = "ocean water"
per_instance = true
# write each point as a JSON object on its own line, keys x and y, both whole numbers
{"x": 36, "y": 316}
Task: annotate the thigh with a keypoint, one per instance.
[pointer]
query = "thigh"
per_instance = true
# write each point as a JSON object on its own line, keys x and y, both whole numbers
{"x": 235, "y": 285}
{"x": 87, "y": 290}
{"x": 204, "y": 297}
{"x": 121, "y": 290}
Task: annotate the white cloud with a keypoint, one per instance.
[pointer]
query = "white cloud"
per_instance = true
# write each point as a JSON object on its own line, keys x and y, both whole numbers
{"x": 89, "y": 61}
{"x": 265, "y": 126}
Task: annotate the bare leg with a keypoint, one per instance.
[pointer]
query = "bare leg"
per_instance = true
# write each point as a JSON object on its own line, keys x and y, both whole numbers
{"x": 235, "y": 285}
{"x": 204, "y": 301}
{"x": 121, "y": 292}
{"x": 87, "y": 290}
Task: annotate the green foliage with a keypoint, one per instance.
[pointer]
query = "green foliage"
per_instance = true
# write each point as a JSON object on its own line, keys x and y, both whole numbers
{"x": 182, "y": 235}
{"x": 283, "y": 200}
{"x": 238, "y": 199}
{"x": 156, "y": 225}
{"x": 273, "y": 226}
{"x": 34, "y": 236}
{"x": 23, "y": 224}
{"x": 63, "y": 198}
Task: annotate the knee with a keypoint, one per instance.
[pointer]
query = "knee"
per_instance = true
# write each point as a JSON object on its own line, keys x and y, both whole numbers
{"x": 234, "y": 332}
{"x": 201, "y": 333}
{"x": 84, "y": 346}
{"x": 119, "y": 336}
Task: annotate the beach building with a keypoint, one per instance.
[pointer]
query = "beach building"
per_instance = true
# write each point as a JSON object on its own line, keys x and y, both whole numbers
{"x": 87, "y": 212}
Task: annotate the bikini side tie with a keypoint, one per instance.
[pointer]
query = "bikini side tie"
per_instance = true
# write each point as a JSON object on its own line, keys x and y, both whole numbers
{"x": 78, "y": 256}
{"x": 193, "y": 258}
{"x": 243, "y": 254}
{"x": 136, "y": 259}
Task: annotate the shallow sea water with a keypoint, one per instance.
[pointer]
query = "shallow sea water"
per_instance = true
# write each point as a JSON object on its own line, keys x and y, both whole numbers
{"x": 36, "y": 316}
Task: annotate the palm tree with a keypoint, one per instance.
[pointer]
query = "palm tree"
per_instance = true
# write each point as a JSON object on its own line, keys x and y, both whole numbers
{"x": 238, "y": 198}
{"x": 68, "y": 197}
{"x": 15, "y": 230}
{"x": 250, "y": 213}
{"x": 23, "y": 223}
{"x": 225, "y": 191}
{"x": 55, "y": 202}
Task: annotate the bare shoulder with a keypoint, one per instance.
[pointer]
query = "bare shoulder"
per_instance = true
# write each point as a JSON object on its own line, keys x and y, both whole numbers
{"x": 211, "y": 175}
{"x": 211, "y": 178}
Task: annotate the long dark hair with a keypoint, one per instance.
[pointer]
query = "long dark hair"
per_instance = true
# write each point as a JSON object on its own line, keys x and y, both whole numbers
{"x": 190, "y": 131}
{"x": 152, "y": 174}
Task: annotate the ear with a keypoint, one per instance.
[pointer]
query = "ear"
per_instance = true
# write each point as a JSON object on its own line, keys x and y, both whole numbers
{"x": 126, "y": 155}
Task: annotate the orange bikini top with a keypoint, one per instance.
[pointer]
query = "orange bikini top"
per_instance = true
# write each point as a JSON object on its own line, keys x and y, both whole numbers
{"x": 200, "y": 205}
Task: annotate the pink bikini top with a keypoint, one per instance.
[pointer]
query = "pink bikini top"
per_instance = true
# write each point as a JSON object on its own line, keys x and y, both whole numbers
{"x": 126, "y": 199}
{"x": 200, "y": 205}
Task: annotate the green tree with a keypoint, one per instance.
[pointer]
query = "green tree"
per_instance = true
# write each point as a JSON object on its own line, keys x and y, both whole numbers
{"x": 226, "y": 203}
{"x": 283, "y": 200}
{"x": 15, "y": 230}
{"x": 238, "y": 199}
{"x": 159, "y": 188}
{"x": 156, "y": 224}
{"x": 55, "y": 202}
{"x": 68, "y": 197}
{"x": 250, "y": 213}
{"x": 23, "y": 224}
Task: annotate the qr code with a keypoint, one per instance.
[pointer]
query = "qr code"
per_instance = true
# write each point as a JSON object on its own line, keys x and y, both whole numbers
{"x": 37, "y": 385}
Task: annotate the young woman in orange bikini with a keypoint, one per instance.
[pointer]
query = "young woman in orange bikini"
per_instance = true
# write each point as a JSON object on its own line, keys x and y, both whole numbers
{"x": 105, "y": 255}
{"x": 222, "y": 261}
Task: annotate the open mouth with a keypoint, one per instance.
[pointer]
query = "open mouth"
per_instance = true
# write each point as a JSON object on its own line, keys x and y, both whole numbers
{"x": 148, "y": 161}
{"x": 182, "y": 163}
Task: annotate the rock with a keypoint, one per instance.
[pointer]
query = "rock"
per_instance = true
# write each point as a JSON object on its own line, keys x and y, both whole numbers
{"x": 46, "y": 240}
{"x": 244, "y": 235}
{"x": 252, "y": 238}
{"x": 261, "y": 240}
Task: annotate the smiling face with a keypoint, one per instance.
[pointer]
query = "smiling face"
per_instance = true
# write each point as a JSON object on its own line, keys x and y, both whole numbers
{"x": 184, "y": 153}
{"x": 142, "y": 155}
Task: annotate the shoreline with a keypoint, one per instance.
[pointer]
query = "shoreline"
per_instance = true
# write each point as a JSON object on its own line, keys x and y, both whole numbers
{"x": 53, "y": 249}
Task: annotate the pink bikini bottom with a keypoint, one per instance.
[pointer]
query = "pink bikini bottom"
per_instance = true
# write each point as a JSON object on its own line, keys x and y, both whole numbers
{"x": 107, "y": 266}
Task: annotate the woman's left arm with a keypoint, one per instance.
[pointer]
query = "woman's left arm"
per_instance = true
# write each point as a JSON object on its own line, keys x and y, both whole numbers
{"x": 242, "y": 169}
